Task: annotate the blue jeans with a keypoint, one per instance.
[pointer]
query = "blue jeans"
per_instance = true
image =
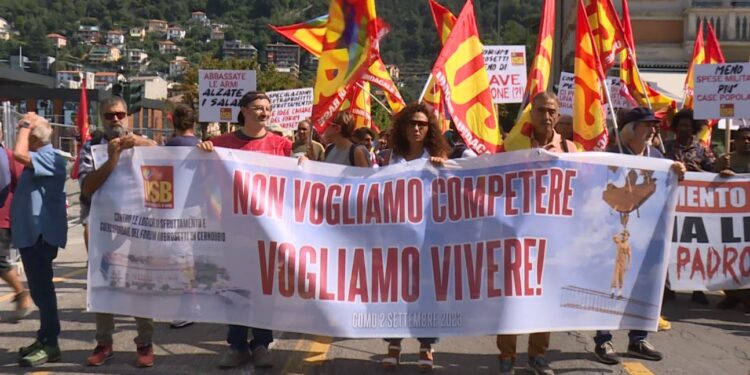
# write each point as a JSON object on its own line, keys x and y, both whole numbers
{"x": 237, "y": 337}
{"x": 633, "y": 336}
{"x": 37, "y": 261}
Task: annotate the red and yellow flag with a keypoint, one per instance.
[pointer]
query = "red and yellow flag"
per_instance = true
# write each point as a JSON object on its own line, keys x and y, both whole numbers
{"x": 519, "y": 137}
{"x": 350, "y": 46}
{"x": 699, "y": 57}
{"x": 713, "y": 56}
{"x": 308, "y": 35}
{"x": 359, "y": 104}
{"x": 589, "y": 125}
{"x": 444, "y": 22}
{"x": 378, "y": 75}
{"x": 606, "y": 29}
{"x": 461, "y": 73}
{"x": 637, "y": 89}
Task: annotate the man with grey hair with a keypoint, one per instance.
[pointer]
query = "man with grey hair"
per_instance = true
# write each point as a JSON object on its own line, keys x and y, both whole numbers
{"x": 635, "y": 137}
{"x": 39, "y": 226}
{"x": 117, "y": 136}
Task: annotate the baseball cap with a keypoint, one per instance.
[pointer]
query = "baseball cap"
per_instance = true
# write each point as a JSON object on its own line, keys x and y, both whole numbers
{"x": 639, "y": 114}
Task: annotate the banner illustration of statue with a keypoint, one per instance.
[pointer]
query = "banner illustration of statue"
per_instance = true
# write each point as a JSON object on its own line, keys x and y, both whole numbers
{"x": 626, "y": 199}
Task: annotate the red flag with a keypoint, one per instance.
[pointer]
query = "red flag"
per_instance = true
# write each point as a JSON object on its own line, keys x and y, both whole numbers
{"x": 82, "y": 123}
{"x": 713, "y": 49}
{"x": 461, "y": 73}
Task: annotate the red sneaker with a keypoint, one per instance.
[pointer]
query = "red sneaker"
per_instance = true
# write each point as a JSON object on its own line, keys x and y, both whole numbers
{"x": 101, "y": 354}
{"x": 145, "y": 356}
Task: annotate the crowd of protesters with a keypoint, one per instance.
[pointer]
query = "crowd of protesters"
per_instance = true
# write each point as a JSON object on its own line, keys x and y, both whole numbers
{"x": 33, "y": 214}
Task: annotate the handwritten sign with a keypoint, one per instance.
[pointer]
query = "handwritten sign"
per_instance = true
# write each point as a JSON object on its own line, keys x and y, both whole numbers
{"x": 506, "y": 68}
{"x": 565, "y": 92}
{"x": 722, "y": 91}
{"x": 566, "y": 89}
{"x": 291, "y": 106}
{"x": 220, "y": 91}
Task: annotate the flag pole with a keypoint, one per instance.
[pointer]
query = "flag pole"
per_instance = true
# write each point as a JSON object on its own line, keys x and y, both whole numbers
{"x": 648, "y": 99}
{"x": 424, "y": 90}
{"x": 374, "y": 97}
{"x": 614, "y": 115}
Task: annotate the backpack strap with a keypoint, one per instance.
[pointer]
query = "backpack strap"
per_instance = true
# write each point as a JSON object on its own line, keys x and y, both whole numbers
{"x": 328, "y": 150}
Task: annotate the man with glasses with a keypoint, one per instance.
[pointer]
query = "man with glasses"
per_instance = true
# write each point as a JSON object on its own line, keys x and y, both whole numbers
{"x": 254, "y": 116}
{"x": 117, "y": 136}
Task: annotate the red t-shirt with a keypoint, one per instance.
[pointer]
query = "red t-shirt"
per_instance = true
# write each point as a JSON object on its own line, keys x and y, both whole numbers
{"x": 15, "y": 173}
{"x": 270, "y": 143}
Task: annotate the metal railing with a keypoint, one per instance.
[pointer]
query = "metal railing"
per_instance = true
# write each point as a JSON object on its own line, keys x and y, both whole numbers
{"x": 63, "y": 136}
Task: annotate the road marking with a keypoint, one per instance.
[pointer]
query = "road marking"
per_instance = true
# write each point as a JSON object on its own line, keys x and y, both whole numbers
{"x": 68, "y": 275}
{"x": 62, "y": 278}
{"x": 321, "y": 346}
{"x": 636, "y": 368}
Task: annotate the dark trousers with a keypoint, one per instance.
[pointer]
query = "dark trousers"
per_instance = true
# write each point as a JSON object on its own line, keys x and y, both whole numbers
{"x": 423, "y": 341}
{"x": 634, "y": 336}
{"x": 237, "y": 337}
{"x": 37, "y": 261}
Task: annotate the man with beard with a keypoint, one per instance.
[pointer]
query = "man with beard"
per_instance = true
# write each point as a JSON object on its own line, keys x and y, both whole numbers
{"x": 117, "y": 136}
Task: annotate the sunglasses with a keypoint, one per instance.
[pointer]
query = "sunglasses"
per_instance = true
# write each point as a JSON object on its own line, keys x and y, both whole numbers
{"x": 111, "y": 115}
{"x": 419, "y": 123}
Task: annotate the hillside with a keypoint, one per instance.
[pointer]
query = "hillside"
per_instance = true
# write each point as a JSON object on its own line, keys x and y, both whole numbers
{"x": 412, "y": 44}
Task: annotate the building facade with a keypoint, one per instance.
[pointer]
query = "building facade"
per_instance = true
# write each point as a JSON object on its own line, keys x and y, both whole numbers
{"x": 285, "y": 57}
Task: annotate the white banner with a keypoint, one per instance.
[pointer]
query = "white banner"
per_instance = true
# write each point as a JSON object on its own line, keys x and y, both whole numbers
{"x": 722, "y": 91}
{"x": 711, "y": 238}
{"x": 291, "y": 106}
{"x": 517, "y": 242}
{"x": 220, "y": 91}
{"x": 506, "y": 68}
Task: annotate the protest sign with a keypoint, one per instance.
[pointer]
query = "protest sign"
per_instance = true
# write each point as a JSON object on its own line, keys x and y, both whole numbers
{"x": 565, "y": 94}
{"x": 711, "y": 237}
{"x": 722, "y": 91}
{"x": 408, "y": 250}
{"x": 220, "y": 91}
{"x": 291, "y": 106}
{"x": 506, "y": 69}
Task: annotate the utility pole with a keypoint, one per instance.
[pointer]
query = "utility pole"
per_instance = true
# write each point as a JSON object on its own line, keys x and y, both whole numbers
{"x": 499, "y": 35}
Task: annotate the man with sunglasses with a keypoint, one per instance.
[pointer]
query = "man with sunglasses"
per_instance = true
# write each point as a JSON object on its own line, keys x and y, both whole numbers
{"x": 117, "y": 136}
{"x": 255, "y": 117}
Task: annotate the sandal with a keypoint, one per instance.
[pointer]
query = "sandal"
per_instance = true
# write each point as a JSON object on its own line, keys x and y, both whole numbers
{"x": 393, "y": 357}
{"x": 425, "y": 359}
{"x": 20, "y": 312}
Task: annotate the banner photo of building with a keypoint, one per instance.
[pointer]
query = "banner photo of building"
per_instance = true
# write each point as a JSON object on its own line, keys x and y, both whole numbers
{"x": 711, "y": 237}
{"x": 518, "y": 242}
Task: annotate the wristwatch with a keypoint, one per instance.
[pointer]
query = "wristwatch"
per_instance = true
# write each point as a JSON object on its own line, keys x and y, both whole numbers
{"x": 24, "y": 124}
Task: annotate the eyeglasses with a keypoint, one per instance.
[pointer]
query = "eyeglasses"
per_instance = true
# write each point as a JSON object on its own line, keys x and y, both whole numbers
{"x": 420, "y": 123}
{"x": 111, "y": 115}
